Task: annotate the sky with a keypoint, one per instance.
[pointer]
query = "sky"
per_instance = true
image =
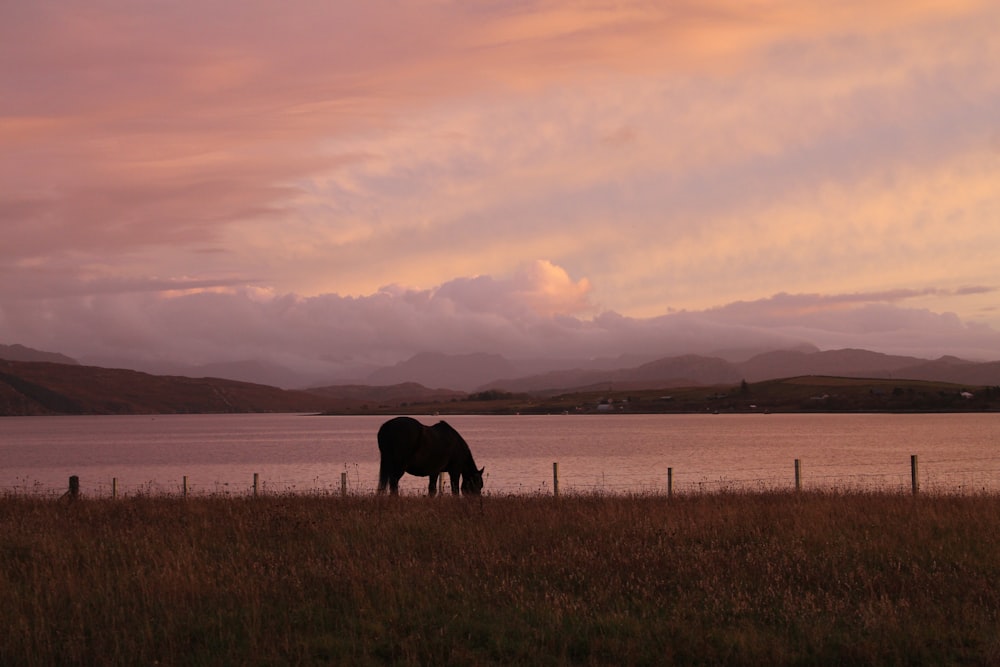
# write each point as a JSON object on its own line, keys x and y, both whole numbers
{"x": 328, "y": 184}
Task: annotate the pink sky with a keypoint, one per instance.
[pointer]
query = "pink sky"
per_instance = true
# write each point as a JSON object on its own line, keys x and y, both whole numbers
{"x": 331, "y": 183}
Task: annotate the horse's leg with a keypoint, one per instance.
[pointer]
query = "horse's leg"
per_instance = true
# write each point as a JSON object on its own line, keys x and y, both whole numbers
{"x": 394, "y": 484}
{"x": 432, "y": 485}
{"x": 454, "y": 483}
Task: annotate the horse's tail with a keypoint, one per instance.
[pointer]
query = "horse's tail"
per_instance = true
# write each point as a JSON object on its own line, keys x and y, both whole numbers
{"x": 383, "y": 475}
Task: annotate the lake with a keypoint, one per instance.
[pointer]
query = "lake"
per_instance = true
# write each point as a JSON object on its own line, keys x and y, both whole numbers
{"x": 219, "y": 454}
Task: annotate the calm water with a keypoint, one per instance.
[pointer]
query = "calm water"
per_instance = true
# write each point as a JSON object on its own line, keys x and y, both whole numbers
{"x": 613, "y": 453}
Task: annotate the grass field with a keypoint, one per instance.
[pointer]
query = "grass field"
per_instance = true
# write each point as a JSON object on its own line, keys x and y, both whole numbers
{"x": 728, "y": 578}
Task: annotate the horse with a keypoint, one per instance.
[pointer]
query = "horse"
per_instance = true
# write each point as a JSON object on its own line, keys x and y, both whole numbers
{"x": 407, "y": 446}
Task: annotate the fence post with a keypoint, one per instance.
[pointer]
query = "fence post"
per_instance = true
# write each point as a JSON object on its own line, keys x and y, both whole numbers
{"x": 74, "y": 487}
{"x": 184, "y": 486}
{"x": 555, "y": 478}
{"x": 256, "y": 480}
{"x": 798, "y": 475}
{"x": 670, "y": 482}
{"x": 114, "y": 487}
{"x": 914, "y": 478}
{"x": 343, "y": 483}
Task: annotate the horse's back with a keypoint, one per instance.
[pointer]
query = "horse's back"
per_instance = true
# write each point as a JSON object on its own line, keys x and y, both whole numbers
{"x": 399, "y": 433}
{"x": 448, "y": 438}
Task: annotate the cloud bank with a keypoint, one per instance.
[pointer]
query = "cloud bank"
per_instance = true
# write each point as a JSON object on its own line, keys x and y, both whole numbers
{"x": 537, "y": 312}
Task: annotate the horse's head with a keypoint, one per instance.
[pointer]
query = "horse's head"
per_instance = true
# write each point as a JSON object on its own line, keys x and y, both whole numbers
{"x": 472, "y": 483}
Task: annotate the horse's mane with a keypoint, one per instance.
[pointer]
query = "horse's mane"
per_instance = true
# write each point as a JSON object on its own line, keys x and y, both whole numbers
{"x": 471, "y": 484}
{"x": 445, "y": 427}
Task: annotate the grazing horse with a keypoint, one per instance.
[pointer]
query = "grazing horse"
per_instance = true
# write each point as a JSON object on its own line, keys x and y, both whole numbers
{"x": 406, "y": 445}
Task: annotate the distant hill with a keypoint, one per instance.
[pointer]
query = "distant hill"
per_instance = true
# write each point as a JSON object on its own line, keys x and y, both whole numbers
{"x": 43, "y": 388}
{"x": 453, "y": 371}
{"x": 258, "y": 372}
{"x": 21, "y": 353}
{"x": 694, "y": 370}
{"x": 362, "y": 396}
{"x": 842, "y": 363}
{"x": 867, "y": 364}
{"x": 685, "y": 370}
{"x": 493, "y": 372}
{"x": 49, "y": 383}
{"x": 255, "y": 371}
{"x": 798, "y": 394}
{"x": 952, "y": 369}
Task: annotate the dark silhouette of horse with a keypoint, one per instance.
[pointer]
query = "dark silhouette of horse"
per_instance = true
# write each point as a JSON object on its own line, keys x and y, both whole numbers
{"x": 407, "y": 446}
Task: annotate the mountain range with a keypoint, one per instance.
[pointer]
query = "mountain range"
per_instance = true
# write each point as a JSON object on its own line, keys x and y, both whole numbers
{"x": 483, "y": 372}
{"x": 34, "y": 382}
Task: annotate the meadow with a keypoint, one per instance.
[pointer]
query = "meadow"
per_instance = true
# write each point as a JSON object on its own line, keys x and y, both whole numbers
{"x": 736, "y": 578}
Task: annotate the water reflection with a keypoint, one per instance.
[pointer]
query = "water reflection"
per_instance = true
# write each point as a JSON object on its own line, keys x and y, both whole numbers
{"x": 611, "y": 453}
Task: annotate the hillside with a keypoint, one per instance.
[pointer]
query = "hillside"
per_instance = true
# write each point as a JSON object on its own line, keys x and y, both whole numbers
{"x": 480, "y": 372}
{"x": 689, "y": 370}
{"x": 461, "y": 372}
{"x": 798, "y": 394}
{"x": 21, "y": 353}
{"x": 43, "y": 388}
{"x": 39, "y": 383}
{"x": 361, "y": 397}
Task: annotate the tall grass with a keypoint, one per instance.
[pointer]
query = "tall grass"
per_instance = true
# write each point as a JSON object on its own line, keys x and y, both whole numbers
{"x": 728, "y": 578}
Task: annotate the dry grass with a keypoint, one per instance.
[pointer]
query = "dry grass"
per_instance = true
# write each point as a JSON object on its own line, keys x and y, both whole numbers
{"x": 726, "y": 578}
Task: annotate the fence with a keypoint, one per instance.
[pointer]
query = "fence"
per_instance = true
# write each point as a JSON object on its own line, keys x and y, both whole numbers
{"x": 797, "y": 480}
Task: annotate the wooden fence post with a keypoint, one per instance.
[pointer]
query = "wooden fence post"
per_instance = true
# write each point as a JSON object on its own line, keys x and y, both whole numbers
{"x": 256, "y": 480}
{"x": 798, "y": 475}
{"x": 184, "y": 486}
{"x": 114, "y": 487}
{"x": 343, "y": 483}
{"x": 555, "y": 479}
{"x": 74, "y": 487}
{"x": 670, "y": 482}
{"x": 914, "y": 478}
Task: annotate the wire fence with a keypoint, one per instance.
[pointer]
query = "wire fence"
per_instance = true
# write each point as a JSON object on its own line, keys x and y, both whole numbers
{"x": 973, "y": 475}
